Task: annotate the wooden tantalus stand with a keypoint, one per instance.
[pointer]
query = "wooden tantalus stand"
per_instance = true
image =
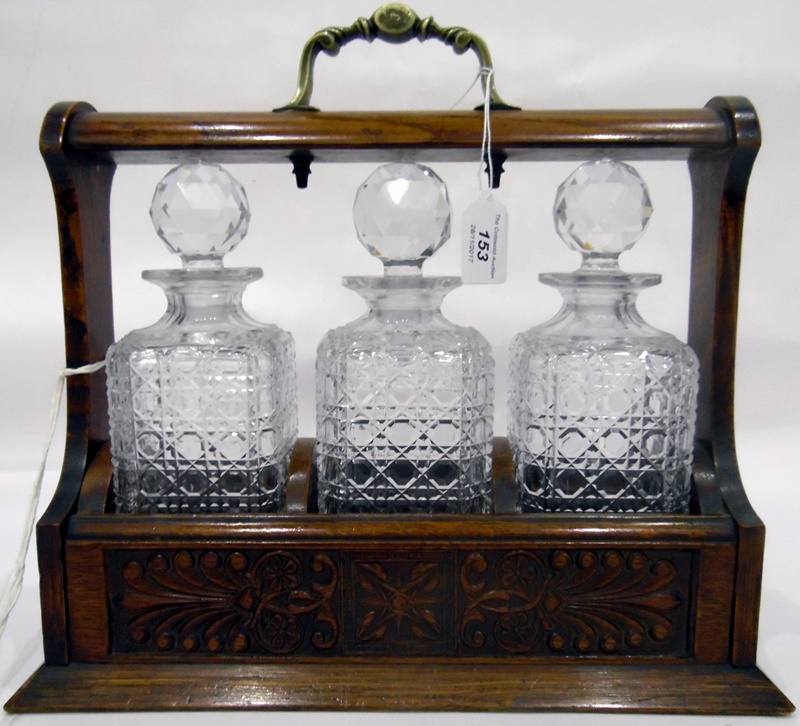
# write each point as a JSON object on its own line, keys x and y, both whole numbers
{"x": 648, "y": 613}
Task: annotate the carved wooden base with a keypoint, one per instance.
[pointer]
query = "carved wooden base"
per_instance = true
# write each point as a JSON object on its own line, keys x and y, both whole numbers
{"x": 300, "y": 610}
{"x": 402, "y": 687}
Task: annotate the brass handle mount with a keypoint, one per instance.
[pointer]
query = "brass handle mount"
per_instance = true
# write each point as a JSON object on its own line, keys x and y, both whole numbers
{"x": 394, "y": 23}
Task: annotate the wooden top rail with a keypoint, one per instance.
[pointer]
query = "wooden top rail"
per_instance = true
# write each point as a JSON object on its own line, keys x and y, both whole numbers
{"x": 371, "y": 136}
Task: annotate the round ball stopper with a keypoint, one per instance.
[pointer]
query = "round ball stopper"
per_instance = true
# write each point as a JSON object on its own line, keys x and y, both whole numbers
{"x": 402, "y": 213}
{"x": 201, "y": 212}
{"x": 602, "y": 208}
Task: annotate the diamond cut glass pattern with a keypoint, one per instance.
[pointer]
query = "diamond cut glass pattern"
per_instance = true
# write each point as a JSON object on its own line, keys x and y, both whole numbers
{"x": 402, "y": 212}
{"x": 202, "y": 403}
{"x": 404, "y": 397}
{"x": 601, "y": 405}
{"x": 602, "y": 207}
{"x": 200, "y": 211}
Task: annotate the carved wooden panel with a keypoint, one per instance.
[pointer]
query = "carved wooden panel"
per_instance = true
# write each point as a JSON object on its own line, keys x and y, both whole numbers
{"x": 483, "y": 602}
{"x": 574, "y": 602}
{"x": 401, "y": 603}
{"x": 238, "y": 602}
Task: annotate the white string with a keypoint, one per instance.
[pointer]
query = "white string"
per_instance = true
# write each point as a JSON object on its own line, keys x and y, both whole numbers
{"x": 486, "y": 142}
{"x": 13, "y": 588}
{"x": 478, "y": 75}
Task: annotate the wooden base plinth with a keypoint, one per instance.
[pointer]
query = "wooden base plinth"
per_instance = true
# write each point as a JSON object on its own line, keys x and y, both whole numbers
{"x": 416, "y": 686}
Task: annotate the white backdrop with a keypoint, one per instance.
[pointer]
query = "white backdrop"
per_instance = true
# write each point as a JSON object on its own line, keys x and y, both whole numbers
{"x": 182, "y": 55}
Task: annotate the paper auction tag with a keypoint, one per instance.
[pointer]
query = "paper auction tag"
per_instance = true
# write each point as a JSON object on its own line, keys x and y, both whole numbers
{"x": 485, "y": 241}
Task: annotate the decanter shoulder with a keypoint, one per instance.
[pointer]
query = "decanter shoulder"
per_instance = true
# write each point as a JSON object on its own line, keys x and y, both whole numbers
{"x": 242, "y": 338}
{"x": 365, "y": 335}
{"x": 545, "y": 342}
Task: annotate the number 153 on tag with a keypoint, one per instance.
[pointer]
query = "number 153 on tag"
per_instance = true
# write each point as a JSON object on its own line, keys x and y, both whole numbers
{"x": 485, "y": 241}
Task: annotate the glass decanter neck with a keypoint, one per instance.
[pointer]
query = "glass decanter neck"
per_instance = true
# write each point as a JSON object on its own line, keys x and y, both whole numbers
{"x": 601, "y": 273}
{"x": 200, "y": 295}
{"x": 402, "y": 293}
{"x": 600, "y": 302}
{"x": 203, "y": 279}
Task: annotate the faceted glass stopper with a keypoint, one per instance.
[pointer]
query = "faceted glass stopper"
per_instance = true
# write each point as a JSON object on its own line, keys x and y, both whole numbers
{"x": 201, "y": 212}
{"x": 602, "y": 208}
{"x": 402, "y": 214}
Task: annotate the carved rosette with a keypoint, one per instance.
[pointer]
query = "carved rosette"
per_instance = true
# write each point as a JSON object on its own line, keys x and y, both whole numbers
{"x": 216, "y": 601}
{"x": 574, "y": 603}
{"x": 401, "y": 604}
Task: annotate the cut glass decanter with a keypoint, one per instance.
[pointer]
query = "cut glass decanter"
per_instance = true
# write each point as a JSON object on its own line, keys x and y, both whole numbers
{"x": 202, "y": 403}
{"x": 601, "y": 404}
{"x": 404, "y": 396}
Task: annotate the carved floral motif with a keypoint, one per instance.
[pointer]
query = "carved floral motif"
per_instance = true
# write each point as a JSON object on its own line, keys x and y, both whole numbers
{"x": 573, "y": 602}
{"x": 277, "y": 602}
{"x": 482, "y": 603}
{"x": 399, "y": 604}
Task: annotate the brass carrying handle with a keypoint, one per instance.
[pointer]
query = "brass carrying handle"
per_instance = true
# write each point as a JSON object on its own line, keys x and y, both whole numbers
{"x": 394, "y": 23}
